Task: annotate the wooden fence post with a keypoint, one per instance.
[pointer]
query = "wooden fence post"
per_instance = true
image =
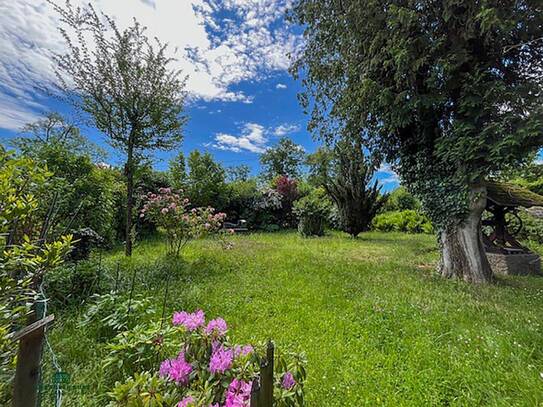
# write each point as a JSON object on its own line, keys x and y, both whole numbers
{"x": 266, "y": 378}
{"x": 27, "y": 373}
{"x": 255, "y": 393}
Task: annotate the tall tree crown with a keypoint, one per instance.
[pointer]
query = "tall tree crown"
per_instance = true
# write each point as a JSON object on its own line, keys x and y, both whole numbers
{"x": 121, "y": 79}
{"x": 450, "y": 91}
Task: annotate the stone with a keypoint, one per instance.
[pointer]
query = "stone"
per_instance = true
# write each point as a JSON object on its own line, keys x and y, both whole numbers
{"x": 521, "y": 264}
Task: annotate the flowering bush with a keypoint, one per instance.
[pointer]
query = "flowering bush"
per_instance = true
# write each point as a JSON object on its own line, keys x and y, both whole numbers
{"x": 171, "y": 212}
{"x": 312, "y": 211}
{"x": 210, "y": 371}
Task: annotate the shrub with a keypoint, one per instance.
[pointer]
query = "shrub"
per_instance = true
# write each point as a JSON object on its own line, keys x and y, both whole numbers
{"x": 207, "y": 370}
{"x": 137, "y": 350}
{"x": 531, "y": 229}
{"x": 73, "y": 283}
{"x": 400, "y": 200}
{"x": 110, "y": 315}
{"x": 409, "y": 221}
{"x": 84, "y": 240}
{"x": 312, "y": 211}
{"x": 169, "y": 211}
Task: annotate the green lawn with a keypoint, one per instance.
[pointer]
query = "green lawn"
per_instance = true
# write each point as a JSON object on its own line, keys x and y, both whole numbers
{"x": 377, "y": 326}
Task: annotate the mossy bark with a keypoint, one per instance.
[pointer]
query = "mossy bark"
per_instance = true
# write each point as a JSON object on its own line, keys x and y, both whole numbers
{"x": 462, "y": 252}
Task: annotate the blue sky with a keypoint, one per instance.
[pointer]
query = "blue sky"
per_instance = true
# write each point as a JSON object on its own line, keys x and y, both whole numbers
{"x": 242, "y": 98}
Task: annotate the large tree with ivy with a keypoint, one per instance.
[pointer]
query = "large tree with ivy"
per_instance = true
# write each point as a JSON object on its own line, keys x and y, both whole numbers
{"x": 125, "y": 83}
{"x": 450, "y": 92}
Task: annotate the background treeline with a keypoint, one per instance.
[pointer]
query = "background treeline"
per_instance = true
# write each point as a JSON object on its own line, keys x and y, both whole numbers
{"x": 334, "y": 187}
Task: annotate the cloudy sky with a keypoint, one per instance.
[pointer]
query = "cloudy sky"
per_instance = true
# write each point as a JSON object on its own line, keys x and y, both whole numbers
{"x": 235, "y": 53}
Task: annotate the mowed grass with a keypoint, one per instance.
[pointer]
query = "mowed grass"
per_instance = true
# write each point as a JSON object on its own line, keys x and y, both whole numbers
{"x": 377, "y": 325}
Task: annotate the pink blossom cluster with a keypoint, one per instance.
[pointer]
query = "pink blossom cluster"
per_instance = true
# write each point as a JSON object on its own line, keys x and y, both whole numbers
{"x": 238, "y": 394}
{"x": 221, "y": 360}
{"x": 224, "y": 364}
{"x": 288, "y": 381}
{"x": 216, "y": 327}
{"x": 176, "y": 370}
{"x": 191, "y": 321}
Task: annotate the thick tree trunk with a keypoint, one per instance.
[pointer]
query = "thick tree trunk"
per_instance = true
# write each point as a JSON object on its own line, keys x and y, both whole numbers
{"x": 462, "y": 252}
{"x": 129, "y": 199}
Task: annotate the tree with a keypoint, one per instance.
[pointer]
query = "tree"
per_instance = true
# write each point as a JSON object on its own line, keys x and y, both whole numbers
{"x": 448, "y": 91}
{"x": 238, "y": 173}
{"x": 123, "y": 81}
{"x": 205, "y": 181}
{"x": 177, "y": 171}
{"x": 283, "y": 159}
{"x": 346, "y": 174}
{"x": 84, "y": 190}
{"x": 54, "y": 130}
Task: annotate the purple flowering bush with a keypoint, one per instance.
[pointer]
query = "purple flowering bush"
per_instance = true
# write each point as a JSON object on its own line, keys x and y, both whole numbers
{"x": 207, "y": 370}
{"x": 171, "y": 212}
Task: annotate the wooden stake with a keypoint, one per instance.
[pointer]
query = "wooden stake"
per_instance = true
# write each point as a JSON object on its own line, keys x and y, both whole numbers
{"x": 27, "y": 373}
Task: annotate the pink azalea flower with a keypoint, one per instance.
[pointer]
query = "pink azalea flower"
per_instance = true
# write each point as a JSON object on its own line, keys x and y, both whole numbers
{"x": 164, "y": 211}
{"x": 238, "y": 394}
{"x": 217, "y": 326}
{"x": 186, "y": 401}
{"x": 221, "y": 360}
{"x": 243, "y": 350}
{"x": 176, "y": 370}
{"x": 190, "y": 321}
{"x": 288, "y": 381}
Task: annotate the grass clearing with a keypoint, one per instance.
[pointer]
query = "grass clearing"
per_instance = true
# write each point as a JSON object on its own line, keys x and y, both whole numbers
{"x": 377, "y": 326}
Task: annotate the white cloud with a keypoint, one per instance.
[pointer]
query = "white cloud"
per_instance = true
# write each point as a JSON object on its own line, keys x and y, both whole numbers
{"x": 280, "y": 86}
{"x": 285, "y": 129}
{"x": 388, "y": 175}
{"x": 252, "y": 138}
{"x": 217, "y": 43}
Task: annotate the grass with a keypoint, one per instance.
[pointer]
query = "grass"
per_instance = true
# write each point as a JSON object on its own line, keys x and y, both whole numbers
{"x": 377, "y": 325}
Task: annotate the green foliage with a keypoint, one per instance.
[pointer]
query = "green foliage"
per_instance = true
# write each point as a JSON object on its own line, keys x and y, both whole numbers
{"x": 24, "y": 257}
{"x": 400, "y": 200}
{"x": 84, "y": 191}
{"x": 347, "y": 176}
{"x": 108, "y": 313}
{"x": 242, "y": 195}
{"x": 238, "y": 173}
{"x": 312, "y": 211}
{"x": 450, "y": 91}
{"x": 143, "y": 390}
{"x": 73, "y": 283}
{"x": 408, "y": 221}
{"x": 284, "y": 159}
{"x": 531, "y": 227}
{"x": 137, "y": 350}
{"x": 204, "y": 183}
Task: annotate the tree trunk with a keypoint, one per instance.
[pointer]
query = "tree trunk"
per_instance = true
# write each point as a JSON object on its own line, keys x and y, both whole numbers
{"x": 129, "y": 169}
{"x": 462, "y": 253}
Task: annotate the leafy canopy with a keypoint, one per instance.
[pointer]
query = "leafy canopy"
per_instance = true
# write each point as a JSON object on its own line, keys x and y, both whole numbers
{"x": 449, "y": 91}
{"x": 283, "y": 159}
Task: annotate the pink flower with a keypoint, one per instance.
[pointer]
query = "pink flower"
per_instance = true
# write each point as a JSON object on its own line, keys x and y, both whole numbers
{"x": 176, "y": 370}
{"x": 164, "y": 211}
{"x": 221, "y": 360}
{"x": 186, "y": 401}
{"x": 217, "y": 326}
{"x": 288, "y": 381}
{"x": 243, "y": 350}
{"x": 238, "y": 393}
{"x": 189, "y": 321}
